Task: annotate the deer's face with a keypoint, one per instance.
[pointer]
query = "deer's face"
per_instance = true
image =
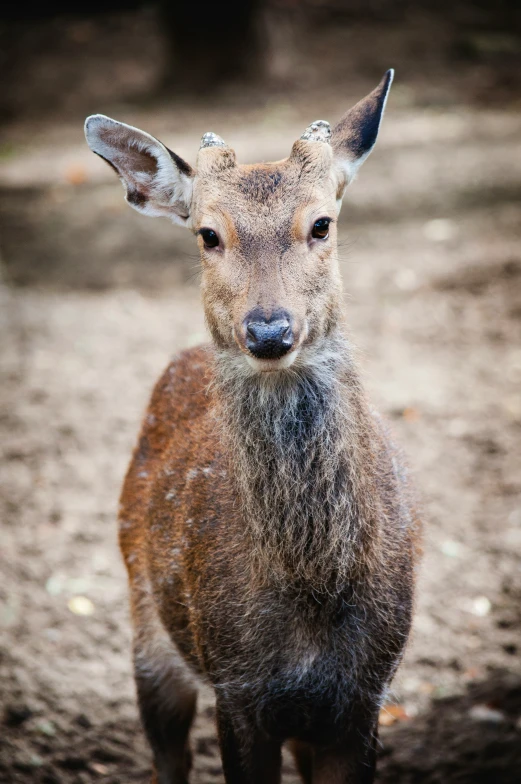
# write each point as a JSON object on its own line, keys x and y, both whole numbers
{"x": 267, "y": 237}
{"x": 266, "y": 232}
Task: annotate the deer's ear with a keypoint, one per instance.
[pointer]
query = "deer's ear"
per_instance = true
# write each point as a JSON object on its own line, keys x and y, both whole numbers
{"x": 355, "y": 135}
{"x": 157, "y": 182}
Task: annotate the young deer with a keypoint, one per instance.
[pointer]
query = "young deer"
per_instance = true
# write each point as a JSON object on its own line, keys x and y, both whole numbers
{"x": 265, "y": 518}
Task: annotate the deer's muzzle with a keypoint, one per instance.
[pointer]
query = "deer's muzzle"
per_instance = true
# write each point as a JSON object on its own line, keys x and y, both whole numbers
{"x": 268, "y": 338}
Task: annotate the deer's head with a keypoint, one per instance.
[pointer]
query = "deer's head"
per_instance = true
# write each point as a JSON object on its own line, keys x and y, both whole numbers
{"x": 266, "y": 232}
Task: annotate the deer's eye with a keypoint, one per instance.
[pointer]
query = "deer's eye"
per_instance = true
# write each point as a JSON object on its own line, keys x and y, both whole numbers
{"x": 210, "y": 238}
{"x": 320, "y": 230}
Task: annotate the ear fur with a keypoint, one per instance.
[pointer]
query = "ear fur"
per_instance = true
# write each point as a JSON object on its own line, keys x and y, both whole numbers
{"x": 355, "y": 135}
{"x": 157, "y": 182}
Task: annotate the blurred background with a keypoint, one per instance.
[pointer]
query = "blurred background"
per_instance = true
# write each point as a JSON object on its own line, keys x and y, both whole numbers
{"x": 95, "y": 298}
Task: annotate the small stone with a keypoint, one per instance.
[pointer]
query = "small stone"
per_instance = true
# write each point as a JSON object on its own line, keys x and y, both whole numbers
{"x": 80, "y": 605}
{"x": 440, "y": 230}
{"x": 46, "y": 727}
{"x": 97, "y": 767}
{"x": 486, "y": 714}
{"x": 481, "y": 606}
{"x": 451, "y": 548}
{"x": 54, "y": 585}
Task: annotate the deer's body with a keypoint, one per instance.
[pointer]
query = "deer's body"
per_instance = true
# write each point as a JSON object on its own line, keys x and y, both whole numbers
{"x": 265, "y": 519}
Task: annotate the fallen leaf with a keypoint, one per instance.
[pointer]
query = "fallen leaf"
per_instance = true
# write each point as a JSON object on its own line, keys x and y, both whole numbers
{"x": 472, "y": 673}
{"x": 390, "y": 714}
{"x": 76, "y": 174}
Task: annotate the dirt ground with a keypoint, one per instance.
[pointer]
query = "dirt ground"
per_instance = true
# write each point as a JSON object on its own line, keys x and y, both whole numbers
{"x": 95, "y": 298}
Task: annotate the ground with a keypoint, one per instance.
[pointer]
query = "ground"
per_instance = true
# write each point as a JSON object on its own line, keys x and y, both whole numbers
{"x": 95, "y": 299}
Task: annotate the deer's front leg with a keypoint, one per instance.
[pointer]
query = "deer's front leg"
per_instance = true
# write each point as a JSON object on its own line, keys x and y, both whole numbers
{"x": 354, "y": 762}
{"x": 247, "y": 756}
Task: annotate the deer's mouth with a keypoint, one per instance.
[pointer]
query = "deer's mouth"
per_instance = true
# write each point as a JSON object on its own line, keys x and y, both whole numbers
{"x": 273, "y": 365}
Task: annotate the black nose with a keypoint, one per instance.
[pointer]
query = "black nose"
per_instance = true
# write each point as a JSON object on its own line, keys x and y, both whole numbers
{"x": 268, "y": 338}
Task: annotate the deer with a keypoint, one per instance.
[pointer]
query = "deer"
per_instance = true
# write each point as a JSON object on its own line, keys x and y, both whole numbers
{"x": 267, "y": 520}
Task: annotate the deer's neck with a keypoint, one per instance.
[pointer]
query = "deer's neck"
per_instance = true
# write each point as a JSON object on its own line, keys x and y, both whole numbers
{"x": 300, "y": 446}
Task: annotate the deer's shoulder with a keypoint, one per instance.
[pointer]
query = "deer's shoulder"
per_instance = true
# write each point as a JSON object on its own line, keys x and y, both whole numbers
{"x": 182, "y": 391}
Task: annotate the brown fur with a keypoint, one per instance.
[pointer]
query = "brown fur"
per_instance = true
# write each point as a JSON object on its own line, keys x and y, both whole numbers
{"x": 266, "y": 520}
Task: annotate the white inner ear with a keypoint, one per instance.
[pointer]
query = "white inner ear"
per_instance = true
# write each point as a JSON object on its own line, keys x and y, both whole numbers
{"x": 154, "y": 183}
{"x": 347, "y": 170}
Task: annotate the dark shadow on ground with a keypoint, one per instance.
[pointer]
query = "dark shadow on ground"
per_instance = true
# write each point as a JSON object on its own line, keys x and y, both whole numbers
{"x": 88, "y": 239}
{"x": 450, "y": 744}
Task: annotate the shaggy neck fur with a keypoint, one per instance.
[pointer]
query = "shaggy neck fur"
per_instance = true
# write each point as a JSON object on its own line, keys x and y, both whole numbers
{"x": 301, "y": 449}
